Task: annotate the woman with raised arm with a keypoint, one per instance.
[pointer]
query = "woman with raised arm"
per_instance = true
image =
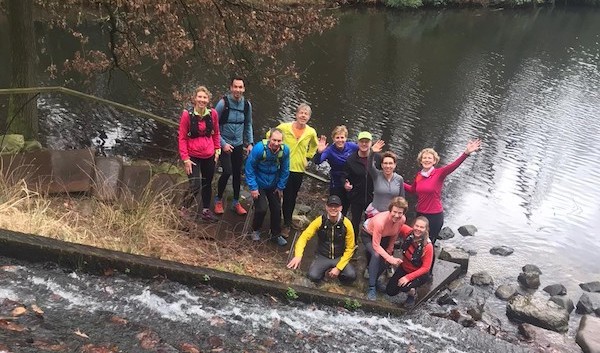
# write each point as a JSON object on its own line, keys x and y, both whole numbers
{"x": 387, "y": 184}
{"x": 428, "y": 185}
{"x": 336, "y": 155}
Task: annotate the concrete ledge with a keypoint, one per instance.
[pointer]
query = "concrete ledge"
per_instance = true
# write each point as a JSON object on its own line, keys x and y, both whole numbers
{"x": 35, "y": 248}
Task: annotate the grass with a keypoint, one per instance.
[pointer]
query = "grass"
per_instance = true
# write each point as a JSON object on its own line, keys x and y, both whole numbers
{"x": 152, "y": 228}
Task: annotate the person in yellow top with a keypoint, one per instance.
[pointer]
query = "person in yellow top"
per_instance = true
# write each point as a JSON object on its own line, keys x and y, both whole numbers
{"x": 335, "y": 246}
{"x": 302, "y": 141}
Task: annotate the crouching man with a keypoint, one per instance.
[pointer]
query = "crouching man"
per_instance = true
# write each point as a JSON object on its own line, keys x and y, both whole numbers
{"x": 335, "y": 245}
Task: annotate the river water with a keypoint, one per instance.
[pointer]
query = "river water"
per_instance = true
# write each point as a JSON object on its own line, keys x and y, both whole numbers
{"x": 527, "y": 82}
{"x": 86, "y": 313}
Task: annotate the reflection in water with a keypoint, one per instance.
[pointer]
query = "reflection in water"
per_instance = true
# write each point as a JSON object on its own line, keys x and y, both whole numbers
{"x": 527, "y": 82}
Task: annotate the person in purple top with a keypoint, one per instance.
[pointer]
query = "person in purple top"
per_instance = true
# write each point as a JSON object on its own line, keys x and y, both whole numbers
{"x": 336, "y": 155}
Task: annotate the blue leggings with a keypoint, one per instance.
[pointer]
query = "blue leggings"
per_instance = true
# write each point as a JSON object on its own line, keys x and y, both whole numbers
{"x": 376, "y": 264}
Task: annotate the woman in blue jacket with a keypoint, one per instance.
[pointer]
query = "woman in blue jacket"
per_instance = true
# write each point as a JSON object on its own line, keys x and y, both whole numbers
{"x": 336, "y": 155}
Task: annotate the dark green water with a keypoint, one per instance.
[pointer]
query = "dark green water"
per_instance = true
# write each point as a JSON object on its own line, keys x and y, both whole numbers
{"x": 527, "y": 82}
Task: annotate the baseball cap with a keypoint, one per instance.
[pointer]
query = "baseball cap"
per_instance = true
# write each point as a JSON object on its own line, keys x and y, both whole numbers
{"x": 334, "y": 200}
{"x": 365, "y": 135}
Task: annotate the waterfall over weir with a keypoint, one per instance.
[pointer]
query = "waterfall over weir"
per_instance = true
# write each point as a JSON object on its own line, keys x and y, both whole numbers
{"x": 119, "y": 313}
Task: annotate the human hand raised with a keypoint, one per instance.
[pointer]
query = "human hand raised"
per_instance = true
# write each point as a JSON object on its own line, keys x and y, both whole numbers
{"x": 378, "y": 146}
{"x": 322, "y": 144}
{"x": 472, "y": 146}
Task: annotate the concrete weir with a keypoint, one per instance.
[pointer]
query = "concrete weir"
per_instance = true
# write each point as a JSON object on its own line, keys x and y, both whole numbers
{"x": 95, "y": 260}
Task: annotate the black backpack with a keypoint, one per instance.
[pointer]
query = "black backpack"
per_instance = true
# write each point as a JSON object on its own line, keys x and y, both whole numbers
{"x": 195, "y": 119}
{"x": 224, "y": 117}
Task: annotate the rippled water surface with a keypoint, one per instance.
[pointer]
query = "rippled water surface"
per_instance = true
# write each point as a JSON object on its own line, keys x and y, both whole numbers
{"x": 526, "y": 82}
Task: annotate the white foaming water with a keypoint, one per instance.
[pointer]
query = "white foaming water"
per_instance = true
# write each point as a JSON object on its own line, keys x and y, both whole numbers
{"x": 181, "y": 310}
{"x": 74, "y": 298}
{"x": 8, "y": 294}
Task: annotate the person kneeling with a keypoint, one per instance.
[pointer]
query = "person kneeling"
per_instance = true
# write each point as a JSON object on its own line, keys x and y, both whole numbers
{"x": 335, "y": 246}
{"x": 417, "y": 256}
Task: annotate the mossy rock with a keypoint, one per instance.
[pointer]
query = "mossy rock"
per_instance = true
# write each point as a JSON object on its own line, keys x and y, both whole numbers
{"x": 32, "y": 145}
{"x": 167, "y": 168}
{"x": 11, "y": 144}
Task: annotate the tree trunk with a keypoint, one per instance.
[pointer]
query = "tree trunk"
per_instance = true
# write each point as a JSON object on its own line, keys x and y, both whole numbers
{"x": 22, "y": 108}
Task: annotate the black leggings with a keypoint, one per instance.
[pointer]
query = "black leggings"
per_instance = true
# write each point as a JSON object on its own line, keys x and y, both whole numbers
{"x": 267, "y": 199}
{"x": 436, "y": 221}
{"x": 232, "y": 166}
{"x": 357, "y": 209}
{"x": 393, "y": 288}
{"x": 289, "y": 196}
{"x": 203, "y": 170}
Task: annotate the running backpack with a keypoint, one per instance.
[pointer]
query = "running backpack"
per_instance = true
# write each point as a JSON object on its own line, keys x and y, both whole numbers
{"x": 193, "y": 132}
{"x": 265, "y": 143}
{"x": 224, "y": 117}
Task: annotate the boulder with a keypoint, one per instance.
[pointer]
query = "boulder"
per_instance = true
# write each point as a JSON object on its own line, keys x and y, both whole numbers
{"x": 529, "y": 280}
{"x": 446, "y": 233}
{"x": 501, "y": 250}
{"x": 446, "y": 299}
{"x": 302, "y": 210}
{"x": 542, "y": 340}
{"x": 587, "y": 335}
{"x": 532, "y": 268}
{"x": 539, "y": 312}
{"x": 482, "y": 279}
{"x": 300, "y": 222}
{"x": 463, "y": 292}
{"x": 11, "y": 144}
{"x": 589, "y": 303}
{"x": 456, "y": 256}
{"x": 467, "y": 230}
{"x": 593, "y": 287}
{"x": 564, "y": 302}
{"x": 555, "y": 289}
{"x": 32, "y": 145}
{"x": 505, "y": 291}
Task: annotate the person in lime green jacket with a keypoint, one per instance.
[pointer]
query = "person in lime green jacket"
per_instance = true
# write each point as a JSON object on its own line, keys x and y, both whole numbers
{"x": 302, "y": 141}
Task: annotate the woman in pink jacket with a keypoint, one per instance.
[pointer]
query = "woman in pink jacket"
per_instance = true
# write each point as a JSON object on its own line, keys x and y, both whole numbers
{"x": 199, "y": 148}
{"x": 428, "y": 185}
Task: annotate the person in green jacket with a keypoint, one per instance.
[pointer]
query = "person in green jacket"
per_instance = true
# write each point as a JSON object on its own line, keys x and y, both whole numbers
{"x": 302, "y": 141}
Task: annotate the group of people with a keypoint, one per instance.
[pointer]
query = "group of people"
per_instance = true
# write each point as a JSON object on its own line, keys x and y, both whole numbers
{"x": 363, "y": 181}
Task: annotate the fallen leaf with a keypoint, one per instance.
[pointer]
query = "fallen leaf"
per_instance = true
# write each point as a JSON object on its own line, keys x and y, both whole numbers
{"x": 36, "y": 309}
{"x": 118, "y": 320}
{"x": 189, "y": 348}
{"x": 215, "y": 342}
{"x": 81, "y": 334}
{"x": 11, "y": 326}
{"x": 148, "y": 339}
{"x": 216, "y": 321}
{"x": 18, "y": 311}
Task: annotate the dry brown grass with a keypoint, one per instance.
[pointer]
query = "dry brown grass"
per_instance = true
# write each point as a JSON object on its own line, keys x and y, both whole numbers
{"x": 152, "y": 228}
